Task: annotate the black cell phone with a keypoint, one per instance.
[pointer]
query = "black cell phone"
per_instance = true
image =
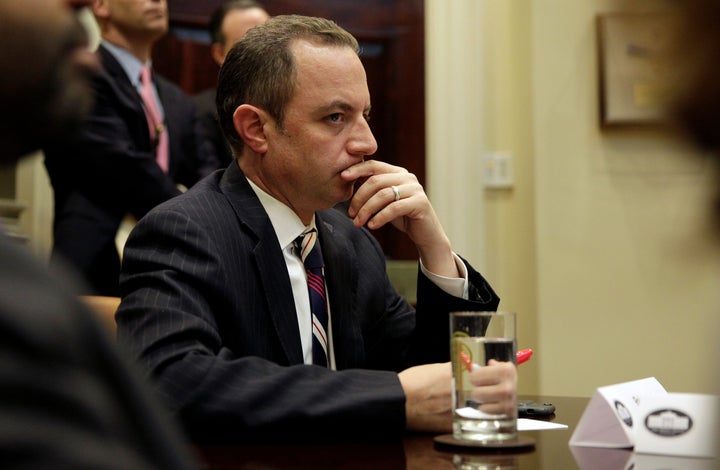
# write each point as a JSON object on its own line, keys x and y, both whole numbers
{"x": 529, "y": 408}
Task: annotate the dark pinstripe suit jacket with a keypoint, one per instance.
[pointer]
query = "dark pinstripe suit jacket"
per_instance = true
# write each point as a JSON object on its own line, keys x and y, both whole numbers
{"x": 208, "y": 309}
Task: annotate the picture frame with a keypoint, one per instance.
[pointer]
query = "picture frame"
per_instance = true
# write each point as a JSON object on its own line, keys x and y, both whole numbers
{"x": 632, "y": 72}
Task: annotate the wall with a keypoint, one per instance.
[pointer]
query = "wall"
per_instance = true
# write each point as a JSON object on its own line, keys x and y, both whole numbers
{"x": 34, "y": 191}
{"x": 601, "y": 246}
{"x": 627, "y": 276}
{"x": 478, "y": 102}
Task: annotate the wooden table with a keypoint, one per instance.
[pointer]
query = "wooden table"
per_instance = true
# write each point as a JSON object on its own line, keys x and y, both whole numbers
{"x": 419, "y": 451}
{"x": 414, "y": 451}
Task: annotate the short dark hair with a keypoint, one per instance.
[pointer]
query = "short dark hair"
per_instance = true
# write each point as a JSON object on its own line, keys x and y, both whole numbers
{"x": 260, "y": 68}
{"x": 217, "y": 17}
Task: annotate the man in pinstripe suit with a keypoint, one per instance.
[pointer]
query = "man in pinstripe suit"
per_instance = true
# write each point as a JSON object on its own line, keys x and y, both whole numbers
{"x": 215, "y": 302}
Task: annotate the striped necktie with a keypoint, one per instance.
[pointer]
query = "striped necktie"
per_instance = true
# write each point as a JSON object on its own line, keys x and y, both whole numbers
{"x": 313, "y": 261}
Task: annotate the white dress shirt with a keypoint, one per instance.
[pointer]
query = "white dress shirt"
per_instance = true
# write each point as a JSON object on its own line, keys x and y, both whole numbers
{"x": 288, "y": 227}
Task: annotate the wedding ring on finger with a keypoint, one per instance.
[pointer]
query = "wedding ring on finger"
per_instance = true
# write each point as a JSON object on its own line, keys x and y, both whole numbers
{"x": 396, "y": 191}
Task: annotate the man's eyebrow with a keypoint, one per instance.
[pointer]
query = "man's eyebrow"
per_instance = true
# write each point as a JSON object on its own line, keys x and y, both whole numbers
{"x": 343, "y": 105}
{"x": 335, "y": 105}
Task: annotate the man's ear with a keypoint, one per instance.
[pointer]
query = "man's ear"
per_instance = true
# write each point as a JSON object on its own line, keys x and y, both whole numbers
{"x": 249, "y": 122}
{"x": 100, "y": 8}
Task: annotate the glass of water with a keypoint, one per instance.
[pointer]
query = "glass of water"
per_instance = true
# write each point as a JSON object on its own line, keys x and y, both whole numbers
{"x": 477, "y": 337}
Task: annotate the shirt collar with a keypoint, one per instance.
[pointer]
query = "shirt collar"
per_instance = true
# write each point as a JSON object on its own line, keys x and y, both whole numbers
{"x": 286, "y": 223}
{"x": 129, "y": 63}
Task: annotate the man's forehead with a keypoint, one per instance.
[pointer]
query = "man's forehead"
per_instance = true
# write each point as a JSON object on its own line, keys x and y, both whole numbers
{"x": 310, "y": 44}
{"x": 240, "y": 20}
{"x": 331, "y": 76}
{"x": 326, "y": 62}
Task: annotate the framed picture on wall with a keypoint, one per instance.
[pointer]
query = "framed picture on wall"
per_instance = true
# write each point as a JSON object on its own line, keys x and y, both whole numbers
{"x": 631, "y": 68}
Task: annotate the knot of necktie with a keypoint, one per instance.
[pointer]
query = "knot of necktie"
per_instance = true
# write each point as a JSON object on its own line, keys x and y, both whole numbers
{"x": 309, "y": 250}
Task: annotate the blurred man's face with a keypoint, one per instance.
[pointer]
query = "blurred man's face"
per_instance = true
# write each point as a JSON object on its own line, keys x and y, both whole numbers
{"x": 137, "y": 19}
{"x": 237, "y": 22}
{"x": 44, "y": 71}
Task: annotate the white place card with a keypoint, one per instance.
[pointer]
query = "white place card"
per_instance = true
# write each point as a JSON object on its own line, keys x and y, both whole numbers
{"x": 611, "y": 417}
{"x": 642, "y": 415}
{"x": 683, "y": 424}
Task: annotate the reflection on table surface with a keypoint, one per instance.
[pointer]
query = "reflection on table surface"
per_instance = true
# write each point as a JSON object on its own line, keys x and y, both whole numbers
{"x": 419, "y": 451}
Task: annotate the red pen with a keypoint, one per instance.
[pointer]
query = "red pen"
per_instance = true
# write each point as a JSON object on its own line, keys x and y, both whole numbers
{"x": 522, "y": 356}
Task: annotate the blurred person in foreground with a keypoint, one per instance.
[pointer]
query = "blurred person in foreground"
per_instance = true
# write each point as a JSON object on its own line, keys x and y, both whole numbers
{"x": 695, "y": 101}
{"x": 216, "y": 303}
{"x": 228, "y": 23}
{"x": 67, "y": 398}
{"x": 695, "y": 59}
{"x": 139, "y": 143}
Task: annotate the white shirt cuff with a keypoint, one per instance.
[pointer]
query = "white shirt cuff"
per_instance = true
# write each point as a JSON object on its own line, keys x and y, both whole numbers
{"x": 455, "y": 286}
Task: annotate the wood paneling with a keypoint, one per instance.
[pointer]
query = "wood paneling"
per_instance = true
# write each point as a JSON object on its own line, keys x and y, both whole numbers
{"x": 391, "y": 33}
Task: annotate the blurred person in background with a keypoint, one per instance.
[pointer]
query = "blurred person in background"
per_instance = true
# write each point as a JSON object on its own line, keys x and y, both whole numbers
{"x": 228, "y": 23}
{"x": 131, "y": 153}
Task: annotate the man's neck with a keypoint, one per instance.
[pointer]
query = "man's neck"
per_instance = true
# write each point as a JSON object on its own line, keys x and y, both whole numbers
{"x": 255, "y": 176}
{"x": 142, "y": 49}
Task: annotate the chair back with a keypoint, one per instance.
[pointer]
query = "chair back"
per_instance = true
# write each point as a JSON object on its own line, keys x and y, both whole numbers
{"x": 105, "y": 308}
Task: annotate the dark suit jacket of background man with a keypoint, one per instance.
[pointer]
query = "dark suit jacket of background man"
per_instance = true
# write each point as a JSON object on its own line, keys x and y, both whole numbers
{"x": 67, "y": 398}
{"x": 210, "y": 127}
{"x": 109, "y": 170}
{"x": 208, "y": 309}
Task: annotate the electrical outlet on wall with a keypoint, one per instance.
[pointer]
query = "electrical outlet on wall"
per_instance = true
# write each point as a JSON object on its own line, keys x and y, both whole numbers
{"x": 497, "y": 170}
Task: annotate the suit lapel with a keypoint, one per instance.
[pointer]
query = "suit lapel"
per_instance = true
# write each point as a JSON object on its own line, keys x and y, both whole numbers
{"x": 341, "y": 276}
{"x": 127, "y": 91}
{"x": 128, "y": 97}
{"x": 268, "y": 259}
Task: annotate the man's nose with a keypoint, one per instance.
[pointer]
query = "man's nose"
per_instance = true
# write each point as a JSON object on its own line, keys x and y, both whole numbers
{"x": 363, "y": 141}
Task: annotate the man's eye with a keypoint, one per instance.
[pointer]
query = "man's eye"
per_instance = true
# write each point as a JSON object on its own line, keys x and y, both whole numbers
{"x": 335, "y": 117}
